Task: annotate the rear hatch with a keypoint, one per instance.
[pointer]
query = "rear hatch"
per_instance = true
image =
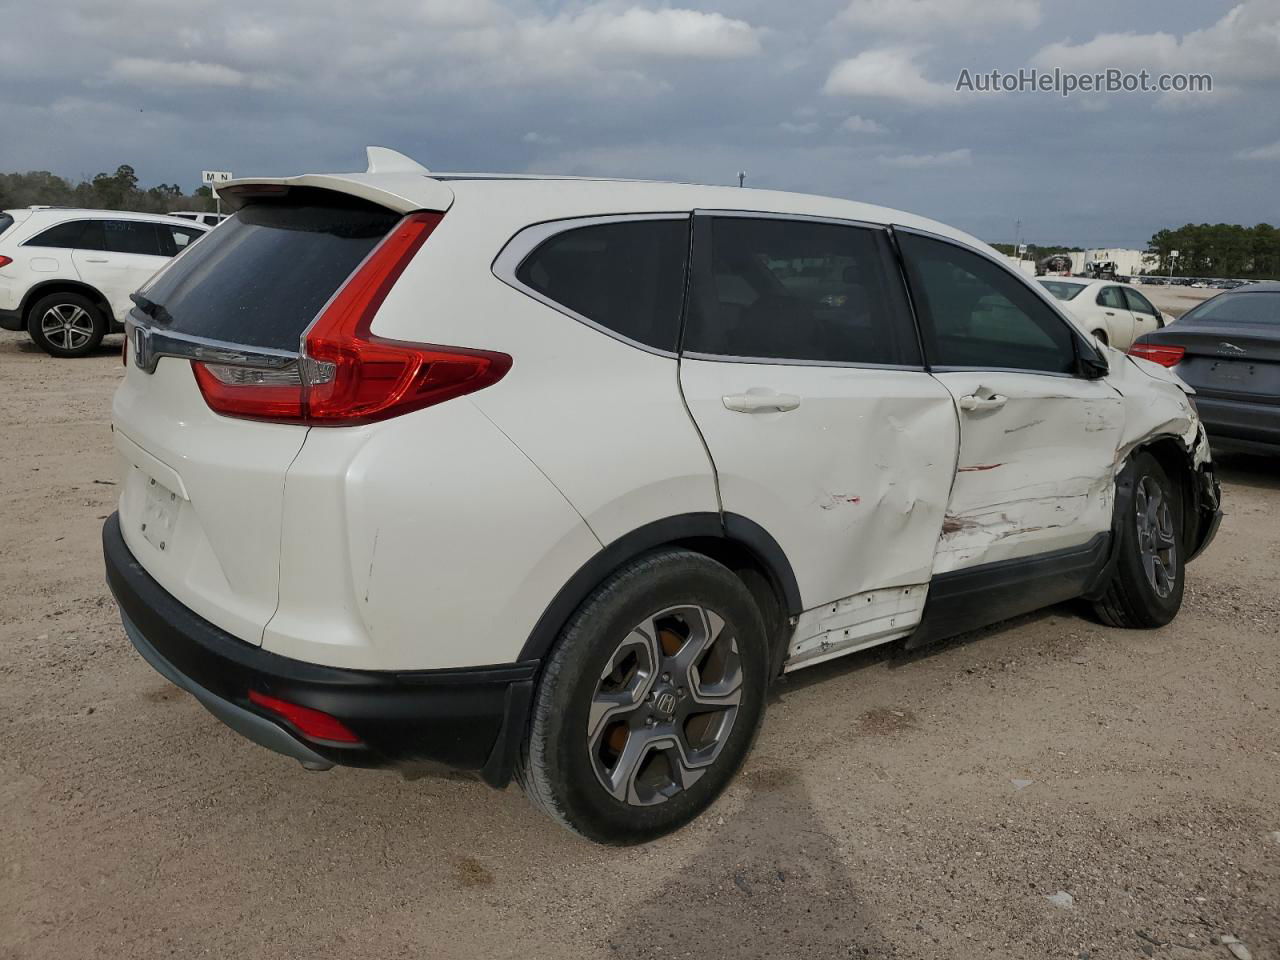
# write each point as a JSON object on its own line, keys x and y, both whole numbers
{"x": 201, "y": 501}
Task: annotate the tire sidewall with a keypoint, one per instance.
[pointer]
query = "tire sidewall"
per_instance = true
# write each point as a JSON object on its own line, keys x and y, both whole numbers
{"x": 1156, "y": 610}
{"x": 42, "y": 306}
{"x": 591, "y": 637}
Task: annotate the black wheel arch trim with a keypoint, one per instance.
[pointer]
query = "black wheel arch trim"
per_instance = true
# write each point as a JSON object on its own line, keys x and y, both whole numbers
{"x": 42, "y": 288}
{"x": 730, "y": 527}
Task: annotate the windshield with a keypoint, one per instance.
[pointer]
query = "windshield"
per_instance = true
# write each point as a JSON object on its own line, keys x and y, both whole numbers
{"x": 263, "y": 275}
{"x": 1259, "y": 308}
{"x": 1062, "y": 290}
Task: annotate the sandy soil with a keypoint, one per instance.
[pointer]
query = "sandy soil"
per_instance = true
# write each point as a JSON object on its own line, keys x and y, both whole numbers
{"x": 894, "y": 807}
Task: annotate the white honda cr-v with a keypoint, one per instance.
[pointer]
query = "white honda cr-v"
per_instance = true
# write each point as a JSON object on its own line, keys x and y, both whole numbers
{"x": 550, "y": 478}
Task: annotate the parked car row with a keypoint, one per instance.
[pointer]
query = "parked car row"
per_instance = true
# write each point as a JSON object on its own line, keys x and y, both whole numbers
{"x": 549, "y": 479}
{"x": 66, "y": 275}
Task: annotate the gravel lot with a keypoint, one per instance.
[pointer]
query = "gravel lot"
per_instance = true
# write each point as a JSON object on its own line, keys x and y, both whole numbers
{"x": 894, "y": 807}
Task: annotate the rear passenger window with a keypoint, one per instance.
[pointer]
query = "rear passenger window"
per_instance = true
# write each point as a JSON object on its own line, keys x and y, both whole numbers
{"x": 626, "y": 276}
{"x": 72, "y": 235}
{"x": 1111, "y": 297}
{"x": 131, "y": 236}
{"x": 974, "y": 313}
{"x": 776, "y": 289}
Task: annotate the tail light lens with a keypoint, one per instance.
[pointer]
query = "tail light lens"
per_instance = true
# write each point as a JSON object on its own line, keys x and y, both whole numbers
{"x": 1167, "y": 355}
{"x": 346, "y": 375}
{"x": 312, "y": 724}
{"x": 5, "y": 261}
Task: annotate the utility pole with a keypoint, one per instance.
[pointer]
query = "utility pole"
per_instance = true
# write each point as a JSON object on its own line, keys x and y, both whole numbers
{"x": 742, "y": 176}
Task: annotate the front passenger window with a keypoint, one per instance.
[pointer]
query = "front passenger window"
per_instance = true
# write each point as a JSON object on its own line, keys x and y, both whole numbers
{"x": 974, "y": 313}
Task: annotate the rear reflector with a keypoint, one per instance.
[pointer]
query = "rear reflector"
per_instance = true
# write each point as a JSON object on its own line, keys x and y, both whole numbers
{"x": 346, "y": 375}
{"x": 1164, "y": 354}
{"x": 312, "y": 724}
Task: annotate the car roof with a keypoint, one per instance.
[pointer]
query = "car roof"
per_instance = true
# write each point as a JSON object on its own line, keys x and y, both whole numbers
{"x": 400, "y": 183}
{"x": 73, "y": 213}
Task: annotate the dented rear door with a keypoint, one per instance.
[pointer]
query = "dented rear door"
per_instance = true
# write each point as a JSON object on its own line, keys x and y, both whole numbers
{"x": 802, "y": 371}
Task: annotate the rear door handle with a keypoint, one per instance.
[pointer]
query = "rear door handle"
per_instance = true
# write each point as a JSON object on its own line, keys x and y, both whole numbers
{"x": 95, "y": 260}
{"x": 760, "y": 402}
{"x": 974, "y": 403}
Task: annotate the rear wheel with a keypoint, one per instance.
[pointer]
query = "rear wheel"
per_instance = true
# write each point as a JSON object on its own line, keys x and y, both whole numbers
{"x": 1146, "y": 589}
{"x": 66, "y": 325}
{"x": 649, "y": 702}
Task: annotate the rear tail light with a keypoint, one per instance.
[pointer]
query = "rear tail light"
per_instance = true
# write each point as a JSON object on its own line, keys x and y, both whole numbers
{"x": 1164, "y": 354}
{"x": 312, "y": 724}
{"x": 347, "y": 375}
{"x": 5, "y": 261}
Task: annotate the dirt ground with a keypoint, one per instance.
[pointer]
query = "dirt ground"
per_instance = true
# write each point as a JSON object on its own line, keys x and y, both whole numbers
{"x": 894, "y": 807}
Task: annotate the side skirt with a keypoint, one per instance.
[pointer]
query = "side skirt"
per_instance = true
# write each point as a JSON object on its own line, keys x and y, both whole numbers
{"x": 967, "y": 599}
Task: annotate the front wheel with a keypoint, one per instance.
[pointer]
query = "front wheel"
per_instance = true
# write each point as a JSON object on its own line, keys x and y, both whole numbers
{"x": 650, "y": 701}
{"x": 1146, "y": 588}
{"x": 66, "y": 325}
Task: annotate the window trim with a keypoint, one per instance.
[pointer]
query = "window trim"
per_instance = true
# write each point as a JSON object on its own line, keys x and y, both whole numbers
{"x": 1045, "y": 296}
{"x": 528, "y": 239}
{"x": 890, "y": 278}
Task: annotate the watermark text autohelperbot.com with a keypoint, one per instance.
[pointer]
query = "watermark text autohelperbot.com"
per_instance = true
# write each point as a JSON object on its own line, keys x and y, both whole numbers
{"x": 1065, "y": 83}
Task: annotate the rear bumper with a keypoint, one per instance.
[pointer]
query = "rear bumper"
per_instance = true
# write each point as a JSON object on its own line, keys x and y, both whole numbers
{"x": 470, "y": 719}
{"x": 1239, "y": 424}
{"x": 11, "y": 320}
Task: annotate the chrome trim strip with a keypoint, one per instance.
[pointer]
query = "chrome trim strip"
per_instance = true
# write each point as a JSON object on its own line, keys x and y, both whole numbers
{"x": 793, "y": 362}
{"x": 525, "y": 241}
{"x": 148, "y": 343}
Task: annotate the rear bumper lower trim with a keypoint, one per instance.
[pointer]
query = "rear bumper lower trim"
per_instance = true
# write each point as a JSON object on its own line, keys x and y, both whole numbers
{"x": 465, "y": 719}
{"x": 11, "y": 320}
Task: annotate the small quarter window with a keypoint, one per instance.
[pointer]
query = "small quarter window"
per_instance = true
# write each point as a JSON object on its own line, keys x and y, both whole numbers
{"x": 626, "y": 276}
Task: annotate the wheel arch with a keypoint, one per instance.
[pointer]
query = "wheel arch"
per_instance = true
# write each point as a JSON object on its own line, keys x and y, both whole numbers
{"x": 739, "y": 543}
{"x": 1179, "y": 463}
{"x": 47, "y": 287}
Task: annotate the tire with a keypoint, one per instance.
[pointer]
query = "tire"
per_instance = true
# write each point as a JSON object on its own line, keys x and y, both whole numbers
{"x": 1102, "y": 336}
{"x": 645, "y": 711}
{"x": 66, "y": 325}
{"x": 1146, "y": 589}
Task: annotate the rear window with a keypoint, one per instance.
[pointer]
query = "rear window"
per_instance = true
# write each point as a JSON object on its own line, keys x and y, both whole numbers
{"x": 6, "y": 222}
{"x": 1062, "y": 291}
{"x": 264, "y": 274}
{"x": 1259, "y": 308}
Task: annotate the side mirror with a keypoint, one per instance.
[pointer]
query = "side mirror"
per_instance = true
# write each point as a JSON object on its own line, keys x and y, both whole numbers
{"x": 1092, "y": 365}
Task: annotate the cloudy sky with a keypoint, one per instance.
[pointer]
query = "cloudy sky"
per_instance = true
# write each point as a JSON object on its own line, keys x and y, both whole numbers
{"x": 854, "y": 98}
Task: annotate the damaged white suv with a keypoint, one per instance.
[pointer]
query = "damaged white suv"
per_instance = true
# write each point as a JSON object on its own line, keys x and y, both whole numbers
{"x": 550, "y": 478}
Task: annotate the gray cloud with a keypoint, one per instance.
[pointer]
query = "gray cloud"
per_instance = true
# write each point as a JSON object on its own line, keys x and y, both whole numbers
{"x": 847, "y": 97}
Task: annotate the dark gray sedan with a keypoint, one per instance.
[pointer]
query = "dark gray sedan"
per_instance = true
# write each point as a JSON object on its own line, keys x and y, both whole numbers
{"x": 1228, "y": 349}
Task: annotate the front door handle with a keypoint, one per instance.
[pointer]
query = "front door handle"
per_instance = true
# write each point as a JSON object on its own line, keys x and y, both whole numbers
{"x": 760, "y": 402}
{"x": 95, "y": 260}
{"x": 974, "y": 404}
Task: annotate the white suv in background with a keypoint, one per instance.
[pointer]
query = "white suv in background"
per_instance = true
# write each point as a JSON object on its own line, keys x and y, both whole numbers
{"x": 66, "y": 275}
{"x": 550, "y": 478}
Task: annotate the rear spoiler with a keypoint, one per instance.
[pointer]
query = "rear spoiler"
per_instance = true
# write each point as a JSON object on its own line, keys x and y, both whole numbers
{"x": 392, "y": 180}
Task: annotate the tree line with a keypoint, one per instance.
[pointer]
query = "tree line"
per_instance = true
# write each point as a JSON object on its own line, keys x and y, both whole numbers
{"x": 106, "y": 191}
{"x": 1218, "y": 250}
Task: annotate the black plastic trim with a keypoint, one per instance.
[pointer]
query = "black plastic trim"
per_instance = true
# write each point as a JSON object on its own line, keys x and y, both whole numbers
{"x": 11, "y": 320}
{"x": 467, "y": 719}
{"x": 732, "y": 527}
{"x": 978, "y": 596}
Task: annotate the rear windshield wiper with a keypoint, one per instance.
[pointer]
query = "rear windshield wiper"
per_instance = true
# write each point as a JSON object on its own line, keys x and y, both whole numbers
{"x": 150, "y": 308}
